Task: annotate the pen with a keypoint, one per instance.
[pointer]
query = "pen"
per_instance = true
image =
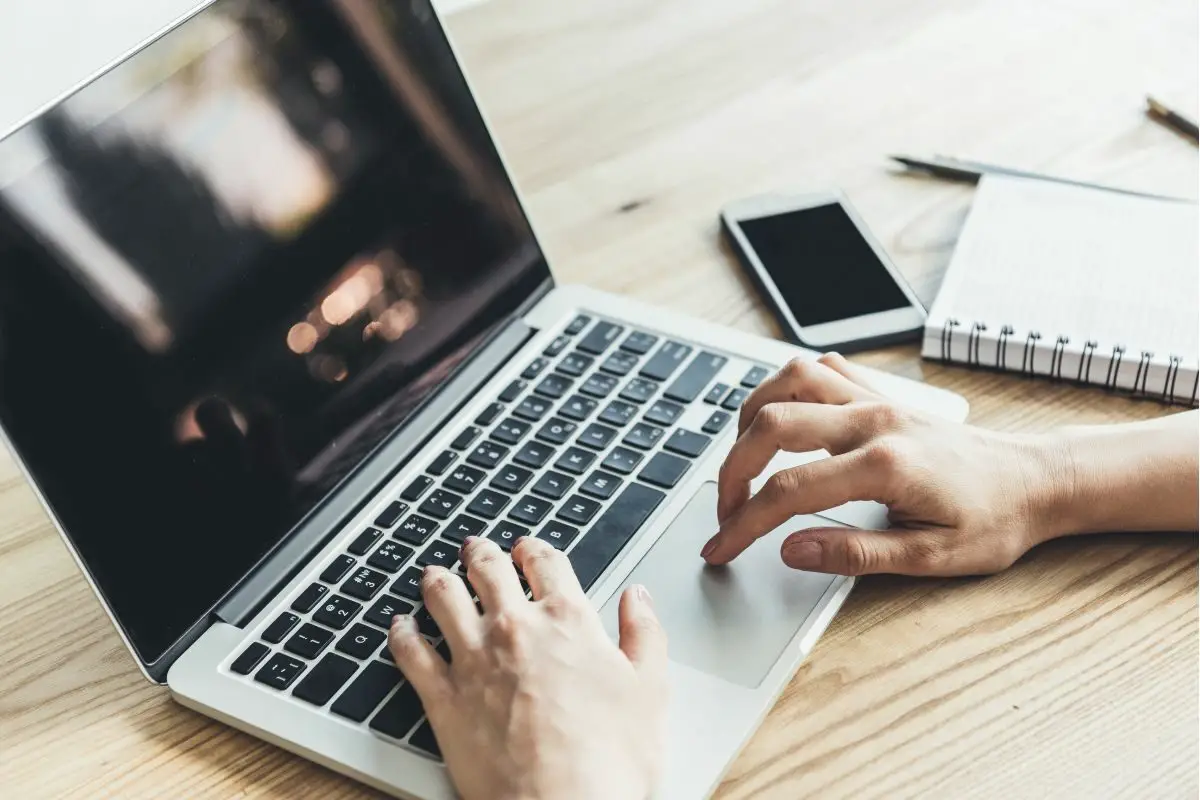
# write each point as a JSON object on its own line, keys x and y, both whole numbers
{"x": 956, "y": 169}
{"x": 1171, "y": 119}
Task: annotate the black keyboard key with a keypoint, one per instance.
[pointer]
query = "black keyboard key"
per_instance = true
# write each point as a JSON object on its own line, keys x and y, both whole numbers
{"x": 598, "y": 385}
{"x": 556, "y": 346}
{"x": 442, "y": 463}
{"x": 622, "y": 460}
{"x": 575, "y": 364}
{"x": 600, "y": 337}
{"x": 424, "y": 740}
{"x": 559, "y": 534}
{"x": 664, "y": 412}
{"x": 309, "y": 598}
{"x": 415, "y": 529}
{"x": 464, "y": 479}
{"x": 362, "y": 543}
{"x": 618, "y": 413}
{"x": 325, "y": 680}
{"x": 754, "y": 377}
{"x": 438, "y": 554}
{"x": 488, "y": 504}
{"x": 735, "y": 399}
{"x": 506, "y": 534}
{"x": 695, "y": 379}
{"x": 487, "y": 455}
{"x": 280, "y": 671}
{"x": 384, "y": 609}
{"x": 367, "y": 692}
{"x": 337, "y": 611}
{"x": 364, "y": 584}
{"x": 530, "y": 510}
{"x": 553, "y": 386}
{"x": 417, "y": 488}
{"x": 687, "y": 443}
{"x": 665, "y": 361}
{"x": 489, "y": 414}
{"x": 338, "y": 568}
{"x": 575, "y": 461}
{"x": 577, "y": 324}
{"x": 716, "y": 393}
{"x": 510, "y": 431}
{"x": 409, "y": 584}
{"x": 639, "y": 390}
{"x": 532, "y": 408}
{"x": 391, "y": 514}
{"x": 464, "y": 439}
{"x": 612, "y": 531}
{"x": 249, "y": 658}
{"x": 360, "y": 641}
{"x": 578, "y": 509}
{"x": 390, "y": 556}
{"x": 400, "y": 714}
{"x": 512, "y": 391}
{"x": 511, "y": 479}
{"x": 534, "y": 454}
{"x": 619, "y": 363}
{"x": 643, "y": 436}
{"x": 309, "y": 641}
{"x": 535, "y": 368}
{"x": 715, "y": 422}
{"x": 557, "y": 431}
{"x": 600, "y": 484}
{"x": 462, "y": 527}
{"x": 664, "y": 470}
{"x": 578, "y": 408}
{"x": 597, "y": 437}
{"x": 278, "y": 629}
{"x": 441, "y": 504}
{"x": 426, "y": 624}
{"x": 639, "y": 342}
{"x": 553, "y": 485}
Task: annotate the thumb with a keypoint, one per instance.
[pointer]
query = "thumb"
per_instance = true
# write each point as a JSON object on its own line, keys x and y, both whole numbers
{"x": 642, "y": 638}
{"x": 849, "y": 551}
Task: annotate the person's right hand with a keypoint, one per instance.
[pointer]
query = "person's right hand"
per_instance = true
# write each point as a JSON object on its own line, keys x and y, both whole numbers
{"x": 961, "y": 500}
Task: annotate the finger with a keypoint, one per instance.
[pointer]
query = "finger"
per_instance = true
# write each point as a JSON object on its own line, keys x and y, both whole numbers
{"x": 848, "y": 551}
{"x": 450, "y": 605}
{"x": 806, "y": 489}
{"x": 641, "y": 636}
{"x": 802, "y": 380}
{"x": 838, "y": 363}
{"x": 547, "y": 571}
{"x": 420, "y": 663}
{"x": 793, "y": 427}
{"x": 491, "y": 573}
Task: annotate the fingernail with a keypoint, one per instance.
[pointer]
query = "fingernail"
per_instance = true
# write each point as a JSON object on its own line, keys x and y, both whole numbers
{"x": 403, "y": 623}
{"x": 709, "y": 546}
{"x": 802, "y": 555}
{"x": 644, "y": 595}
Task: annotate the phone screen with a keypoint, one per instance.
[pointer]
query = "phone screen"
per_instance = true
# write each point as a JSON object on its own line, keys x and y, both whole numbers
{"x": 822, "y": 265}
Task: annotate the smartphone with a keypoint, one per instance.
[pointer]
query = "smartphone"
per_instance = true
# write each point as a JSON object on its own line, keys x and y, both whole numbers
{"x": 829, "y": 283}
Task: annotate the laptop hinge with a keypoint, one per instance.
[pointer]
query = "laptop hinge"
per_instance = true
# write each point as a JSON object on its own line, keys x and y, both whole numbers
{"x": 262, "y": 583}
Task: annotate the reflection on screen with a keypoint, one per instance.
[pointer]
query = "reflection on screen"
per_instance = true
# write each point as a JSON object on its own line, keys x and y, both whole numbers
{"x": 228, "y": 269}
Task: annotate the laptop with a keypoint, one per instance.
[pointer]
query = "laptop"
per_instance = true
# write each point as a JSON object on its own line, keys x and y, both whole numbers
{"x": 275, "y": 331}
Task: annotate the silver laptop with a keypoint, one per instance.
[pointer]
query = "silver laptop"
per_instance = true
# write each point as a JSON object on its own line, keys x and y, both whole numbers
{"x": 275, "y": 332}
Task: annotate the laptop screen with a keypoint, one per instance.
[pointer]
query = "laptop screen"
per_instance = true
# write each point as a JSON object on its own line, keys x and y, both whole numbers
{"x": 229, "y": 268}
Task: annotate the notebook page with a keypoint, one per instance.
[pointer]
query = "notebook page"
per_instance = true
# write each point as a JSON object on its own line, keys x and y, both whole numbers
{"x": 1079, "y": 262}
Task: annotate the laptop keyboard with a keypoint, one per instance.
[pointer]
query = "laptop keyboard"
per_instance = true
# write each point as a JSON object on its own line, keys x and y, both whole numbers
{"x": 579, "y": 451}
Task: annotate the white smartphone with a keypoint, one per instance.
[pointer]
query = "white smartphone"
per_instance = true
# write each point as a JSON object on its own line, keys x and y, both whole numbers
{"x": 830, "y": 284}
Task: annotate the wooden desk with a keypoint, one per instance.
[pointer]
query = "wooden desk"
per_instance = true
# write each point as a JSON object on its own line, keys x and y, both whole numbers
{"x": 628, "y": 123}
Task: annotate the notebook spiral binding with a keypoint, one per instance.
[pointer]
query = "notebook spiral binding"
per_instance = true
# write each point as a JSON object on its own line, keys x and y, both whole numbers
{"x": 1141, "y": 382}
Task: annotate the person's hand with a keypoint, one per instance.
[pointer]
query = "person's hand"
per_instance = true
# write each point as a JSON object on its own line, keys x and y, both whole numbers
{"x": 961, "y": 500}
{"x": 537, "y": 701}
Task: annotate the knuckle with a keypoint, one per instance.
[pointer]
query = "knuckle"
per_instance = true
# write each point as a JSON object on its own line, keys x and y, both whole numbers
{"x": 556, "y": 605}
{"x": 485, "y": 557}
{"x": 770, "y": 419}
{"x": 830, "y": 359}
{"x": 781, "y": 485}
{"x": 857, "y": 556}
{"x": 796, "y": 369}
{"x": 885, "y": 416}
{"x": 436, "y": 583}
{"x": 885, "y": 455}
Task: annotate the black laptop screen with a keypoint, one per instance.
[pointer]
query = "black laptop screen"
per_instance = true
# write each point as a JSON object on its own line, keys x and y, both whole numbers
{"x": 228, "y": 269}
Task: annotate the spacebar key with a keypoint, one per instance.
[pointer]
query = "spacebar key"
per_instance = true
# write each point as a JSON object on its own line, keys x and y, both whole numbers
{"x": 612, "y": 531}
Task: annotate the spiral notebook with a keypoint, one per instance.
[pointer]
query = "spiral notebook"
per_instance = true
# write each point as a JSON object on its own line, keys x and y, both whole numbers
{"x": 1075, "y": 284}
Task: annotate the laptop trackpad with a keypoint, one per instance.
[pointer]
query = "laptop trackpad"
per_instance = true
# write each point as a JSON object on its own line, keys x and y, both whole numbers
{"x": 732, "y": 621}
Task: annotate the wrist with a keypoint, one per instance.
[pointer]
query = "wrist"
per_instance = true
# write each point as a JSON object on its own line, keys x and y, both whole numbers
{"x": 1054, "y": 484}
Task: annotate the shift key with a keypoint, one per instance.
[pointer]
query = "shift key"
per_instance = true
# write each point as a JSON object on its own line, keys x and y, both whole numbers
{"x": 692, "y": 382}
{"x": 663, "y": 363}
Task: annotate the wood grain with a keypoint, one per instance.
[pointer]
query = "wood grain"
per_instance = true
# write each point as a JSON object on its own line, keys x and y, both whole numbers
{"x": 628, "y": 123}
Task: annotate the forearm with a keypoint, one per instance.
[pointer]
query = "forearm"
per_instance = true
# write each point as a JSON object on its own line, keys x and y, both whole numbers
{"x": 1139, "y": 476}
